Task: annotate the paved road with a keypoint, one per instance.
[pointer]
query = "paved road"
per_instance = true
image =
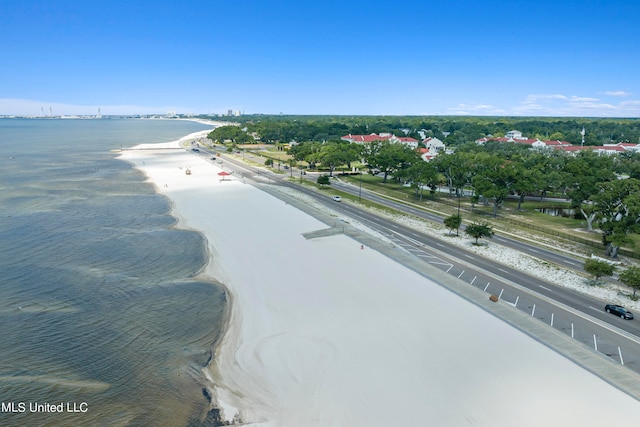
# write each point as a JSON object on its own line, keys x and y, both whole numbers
{"x": 579, "y": 317}
{"x": 557, "y": 257}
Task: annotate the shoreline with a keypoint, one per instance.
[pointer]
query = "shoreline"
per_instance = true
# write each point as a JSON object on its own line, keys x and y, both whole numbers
{"x": 323, "y": 332}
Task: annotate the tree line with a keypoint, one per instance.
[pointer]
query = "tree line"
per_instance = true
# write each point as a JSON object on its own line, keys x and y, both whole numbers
{"x": 605, "y": 190}
{"x": 452, "y": 130}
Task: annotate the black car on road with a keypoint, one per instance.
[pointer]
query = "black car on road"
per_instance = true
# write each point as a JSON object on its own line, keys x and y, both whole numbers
{"x": 618, "y": 310}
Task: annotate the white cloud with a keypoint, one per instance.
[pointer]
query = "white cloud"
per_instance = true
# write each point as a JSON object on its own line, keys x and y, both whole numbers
{"x": 552, "y": 105}
{"x": 582, "y": 99}
{"x": 542, "y": 97}
{"x": 479, "y": 109}
{"x": 620, "y": 93}
{"x": 576, "y": 106}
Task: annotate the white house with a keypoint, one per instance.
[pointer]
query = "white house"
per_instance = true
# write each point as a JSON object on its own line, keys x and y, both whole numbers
{"x": 411, "y": 142}
{"x": 622, "y": 146}
{"x": 433, "y": 144}
{"x": 513, "y": 134}
{"x": 362, "y": 139}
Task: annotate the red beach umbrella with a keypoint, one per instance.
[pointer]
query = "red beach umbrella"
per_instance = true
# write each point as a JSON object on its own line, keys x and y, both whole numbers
{"x": 223, "y": 174}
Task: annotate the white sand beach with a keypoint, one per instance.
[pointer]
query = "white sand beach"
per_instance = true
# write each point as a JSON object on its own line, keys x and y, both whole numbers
{"x": 324, "y": 333}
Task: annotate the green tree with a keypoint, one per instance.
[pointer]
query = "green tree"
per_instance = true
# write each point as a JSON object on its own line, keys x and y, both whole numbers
{"x": 617, "y": 203}
{"x": 333, "y": 154}
{"x": 631, "y": 278}
{"x": 553, "y": 172}
{"x": 388, "y": 158}
{"x": 479, "y": 231}
{"x": 453, "y": 223}
{"x": 323, "y": 180}
{"x": 598, "y": 268}
{"x": 583, "y": 174}
{"x": 457, "y": 168}
{"x": 495, "y": 180}
{"x": 527, "y": 181}
{"x": 420, "y": 174}
{"x": 307, "y": 151}
{"x": 460, "y": 130}
{"x": 556, "y": 136}
{"x": 230, "y": 133}
{"x": 629, "y": 164}
{"x": 268, "y": 162}
{"x": 367, "y": 152}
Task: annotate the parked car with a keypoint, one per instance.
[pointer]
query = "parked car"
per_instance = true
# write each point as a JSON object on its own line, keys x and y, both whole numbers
{"x": 337, "y": 198}
{"x": 618, "y": 310}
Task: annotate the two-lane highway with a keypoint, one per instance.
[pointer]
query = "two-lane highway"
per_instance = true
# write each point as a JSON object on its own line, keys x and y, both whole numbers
{"x": 577, "y": 315}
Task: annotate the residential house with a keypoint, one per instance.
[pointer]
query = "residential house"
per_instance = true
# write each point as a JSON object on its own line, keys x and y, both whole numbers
{"x": 533, "y": 142}
{"x": 433, "y": 147}
{"x": 411, "y": 142}
{"x": 626, "y": 146}
{"x": 433, "y": 144}
{"x": 513, "y": 134}
{"x": 363, "y": 139}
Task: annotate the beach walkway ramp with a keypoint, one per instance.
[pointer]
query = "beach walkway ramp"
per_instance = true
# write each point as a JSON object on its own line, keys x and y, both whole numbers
{"x": 325, "y": 232}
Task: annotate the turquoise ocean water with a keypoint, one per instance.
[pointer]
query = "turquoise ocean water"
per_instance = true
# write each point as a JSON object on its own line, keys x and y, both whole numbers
{"x": 99, "y": 315}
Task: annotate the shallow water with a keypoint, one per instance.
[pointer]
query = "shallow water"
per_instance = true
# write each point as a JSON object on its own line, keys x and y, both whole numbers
{"x": 97, "y": 307}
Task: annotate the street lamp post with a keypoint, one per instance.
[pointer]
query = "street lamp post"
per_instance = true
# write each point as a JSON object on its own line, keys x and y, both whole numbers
{"x": 459, "y": 219}
{"x": 360, "y": 190}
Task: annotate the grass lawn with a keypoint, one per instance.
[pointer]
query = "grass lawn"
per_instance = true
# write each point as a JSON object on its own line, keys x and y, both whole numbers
{"x": 277, "y": 155}
{"x": 528, "y": 219}
{"x": 330, "y": 191}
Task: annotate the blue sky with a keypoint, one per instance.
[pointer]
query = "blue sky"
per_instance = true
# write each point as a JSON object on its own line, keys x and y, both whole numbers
{"x": 541, "y": 58}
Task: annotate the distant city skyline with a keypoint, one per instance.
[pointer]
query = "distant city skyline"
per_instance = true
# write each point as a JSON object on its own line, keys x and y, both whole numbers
{"x": 460, "y": 57}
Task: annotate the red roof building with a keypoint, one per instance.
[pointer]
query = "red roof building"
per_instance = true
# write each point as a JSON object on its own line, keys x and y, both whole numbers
{"x": 363, "y": 139}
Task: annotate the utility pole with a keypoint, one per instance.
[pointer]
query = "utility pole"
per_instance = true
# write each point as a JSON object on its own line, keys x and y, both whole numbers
{"x": 459, "y": 219}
